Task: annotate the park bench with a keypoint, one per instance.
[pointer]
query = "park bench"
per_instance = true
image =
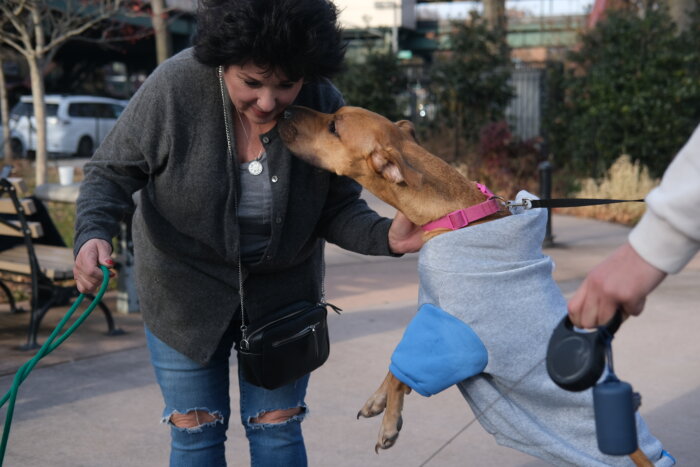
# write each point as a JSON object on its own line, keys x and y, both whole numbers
{"x": 33, "y": 253}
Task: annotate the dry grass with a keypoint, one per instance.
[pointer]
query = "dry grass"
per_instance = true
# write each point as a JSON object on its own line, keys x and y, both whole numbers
{"x": 624, "y": 180}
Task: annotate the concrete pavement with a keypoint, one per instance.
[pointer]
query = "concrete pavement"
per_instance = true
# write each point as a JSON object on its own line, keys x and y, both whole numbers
{"x": 103, "y": 409}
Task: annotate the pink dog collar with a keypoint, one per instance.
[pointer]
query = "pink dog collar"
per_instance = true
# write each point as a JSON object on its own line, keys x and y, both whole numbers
{"x": 463, "y": 217}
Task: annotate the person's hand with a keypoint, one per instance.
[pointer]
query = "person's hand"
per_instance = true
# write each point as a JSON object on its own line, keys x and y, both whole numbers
{"x": 623, "y": 280}
{"x": 404, "y": 235}
{"x": 86, "y": 271}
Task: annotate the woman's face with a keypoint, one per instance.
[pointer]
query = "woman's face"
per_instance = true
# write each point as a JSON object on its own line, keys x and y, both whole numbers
{"x": 258, "y": 94}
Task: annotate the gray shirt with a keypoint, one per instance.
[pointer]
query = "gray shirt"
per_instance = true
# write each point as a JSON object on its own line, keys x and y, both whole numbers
{"x": 255, "y": 211}
{"x": 170, "y": 143}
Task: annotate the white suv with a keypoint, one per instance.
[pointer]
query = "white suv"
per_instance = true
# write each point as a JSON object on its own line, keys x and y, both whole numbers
{"x": 75, "y": 125}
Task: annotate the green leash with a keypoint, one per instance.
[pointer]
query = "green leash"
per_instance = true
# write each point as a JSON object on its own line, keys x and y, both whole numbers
{"x": 48, "y": 347}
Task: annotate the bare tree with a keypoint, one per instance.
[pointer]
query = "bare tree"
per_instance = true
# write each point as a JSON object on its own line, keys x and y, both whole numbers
{"x": 160, "y": 28}
{"x": 36, "y": 29}
{"x": 161, "y": 17}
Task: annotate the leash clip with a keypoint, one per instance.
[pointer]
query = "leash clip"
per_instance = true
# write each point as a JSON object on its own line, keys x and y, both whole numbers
{"x": 245, "y": 346}
{"x": 523, "y": 203}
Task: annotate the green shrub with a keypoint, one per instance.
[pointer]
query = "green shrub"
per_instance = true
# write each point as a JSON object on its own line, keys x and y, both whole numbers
{"x": 374, "y": 84}
{"x": 470, "y": 80}
{"x": 634, "y": 88}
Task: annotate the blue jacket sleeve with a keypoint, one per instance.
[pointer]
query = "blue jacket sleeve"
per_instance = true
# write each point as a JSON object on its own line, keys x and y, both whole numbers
{"x": 436, "y": 351}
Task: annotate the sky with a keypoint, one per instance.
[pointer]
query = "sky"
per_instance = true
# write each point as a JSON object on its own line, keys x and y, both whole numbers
{"x": 534, "y": 7}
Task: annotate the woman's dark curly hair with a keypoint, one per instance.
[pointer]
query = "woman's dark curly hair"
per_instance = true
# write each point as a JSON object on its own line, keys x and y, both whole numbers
{"x": 300, "y": 38}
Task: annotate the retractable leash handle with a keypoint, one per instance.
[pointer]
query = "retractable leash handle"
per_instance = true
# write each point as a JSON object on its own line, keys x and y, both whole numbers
{"x": 576, "y": 359}
{"x": 575, "y": 362}
{"x": 49, "y": 346}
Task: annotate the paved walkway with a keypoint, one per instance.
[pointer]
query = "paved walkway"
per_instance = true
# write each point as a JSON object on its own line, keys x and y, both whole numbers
{"x": 96, "y": 403}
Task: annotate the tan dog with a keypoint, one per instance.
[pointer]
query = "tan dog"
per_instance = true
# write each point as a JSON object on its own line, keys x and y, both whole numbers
{"x": 384, "y": 158}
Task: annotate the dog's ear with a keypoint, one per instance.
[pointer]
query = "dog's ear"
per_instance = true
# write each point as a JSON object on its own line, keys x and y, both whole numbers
{"x": 408, "y": 128}
{"x": 388, "y": 163}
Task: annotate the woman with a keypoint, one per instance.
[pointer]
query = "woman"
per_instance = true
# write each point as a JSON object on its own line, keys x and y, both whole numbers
{"x": 200, "y": 212}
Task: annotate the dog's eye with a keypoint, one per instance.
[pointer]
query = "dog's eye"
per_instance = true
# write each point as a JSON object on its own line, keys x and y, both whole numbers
{"x": 331, "y": 127}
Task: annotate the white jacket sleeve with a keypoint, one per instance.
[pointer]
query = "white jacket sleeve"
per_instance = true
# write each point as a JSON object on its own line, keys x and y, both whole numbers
{"x": 668, "y": 236}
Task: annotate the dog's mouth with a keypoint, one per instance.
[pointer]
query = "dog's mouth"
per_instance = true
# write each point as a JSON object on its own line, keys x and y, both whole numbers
{"x": 289, "y": 133}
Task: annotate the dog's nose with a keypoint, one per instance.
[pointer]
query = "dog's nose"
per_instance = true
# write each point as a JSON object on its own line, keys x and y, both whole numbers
{"x": 288, "y": 114}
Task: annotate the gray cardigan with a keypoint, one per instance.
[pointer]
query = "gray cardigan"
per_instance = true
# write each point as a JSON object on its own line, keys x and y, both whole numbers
{"x": 170, "y": 143}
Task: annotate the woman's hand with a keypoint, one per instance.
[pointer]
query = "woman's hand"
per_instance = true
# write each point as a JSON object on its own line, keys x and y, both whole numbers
{"x": 623, "y": 280}
{"x": 404, "y": 235}
{"x": 87, "y": 273}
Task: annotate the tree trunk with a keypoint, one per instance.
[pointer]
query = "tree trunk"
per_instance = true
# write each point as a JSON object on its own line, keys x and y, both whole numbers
{"x": 40, "y": 118}
{"x": 495, "y": 14}
{"x": 160, "y": 28}
{"x": 5, "y": 117}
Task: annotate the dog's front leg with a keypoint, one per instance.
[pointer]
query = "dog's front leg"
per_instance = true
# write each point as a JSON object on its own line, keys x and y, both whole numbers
{"x": 392, "y": 421}
{"x": 377, "y": 401}
{"x": 390, "y": 396}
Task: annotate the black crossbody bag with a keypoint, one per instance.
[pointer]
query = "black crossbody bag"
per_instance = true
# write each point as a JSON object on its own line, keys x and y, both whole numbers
{"x": 285, "y": 345}
{"x": 288, "y": 343}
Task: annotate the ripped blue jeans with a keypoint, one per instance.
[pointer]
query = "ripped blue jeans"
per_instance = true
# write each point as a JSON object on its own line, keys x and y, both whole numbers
{"x": 187, "y": 386}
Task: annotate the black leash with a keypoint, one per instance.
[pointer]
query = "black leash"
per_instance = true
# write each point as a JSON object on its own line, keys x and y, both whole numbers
{"x": 573, "y": 202}
{"x": 566, "y": 202}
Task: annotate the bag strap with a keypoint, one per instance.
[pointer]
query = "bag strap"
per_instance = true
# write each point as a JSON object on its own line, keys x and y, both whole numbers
{"x": 229, "y": 150}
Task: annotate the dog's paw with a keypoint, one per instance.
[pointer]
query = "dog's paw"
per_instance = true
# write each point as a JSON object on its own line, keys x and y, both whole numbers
{"x": 388, "y": 434}
{"x": 374, "y": 406}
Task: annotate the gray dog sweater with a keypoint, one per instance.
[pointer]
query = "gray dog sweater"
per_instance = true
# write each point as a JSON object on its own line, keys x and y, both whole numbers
{"x": 488, "y": 305}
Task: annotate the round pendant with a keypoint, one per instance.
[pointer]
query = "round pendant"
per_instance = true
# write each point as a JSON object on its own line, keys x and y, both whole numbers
{"x": 255, "y": 167}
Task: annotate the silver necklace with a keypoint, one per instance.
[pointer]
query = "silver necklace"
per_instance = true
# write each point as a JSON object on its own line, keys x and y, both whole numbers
{"x": 255, "y": 167}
